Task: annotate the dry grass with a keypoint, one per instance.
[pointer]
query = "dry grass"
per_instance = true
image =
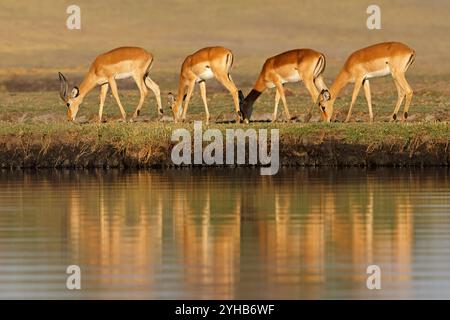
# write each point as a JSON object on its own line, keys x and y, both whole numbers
{"x": 430, "y": 103}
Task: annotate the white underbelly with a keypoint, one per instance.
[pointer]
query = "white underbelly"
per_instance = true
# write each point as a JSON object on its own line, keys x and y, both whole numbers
{"x": 294, "y": 77}
{"x": 102, "y": 81}
{"x": 123, "y": 75}
{"x": 379, "y": 73}
{"x": 205, "y": 75}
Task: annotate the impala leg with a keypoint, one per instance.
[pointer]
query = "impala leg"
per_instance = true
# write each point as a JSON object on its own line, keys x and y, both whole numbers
{"x": 205, "y": 103}
{"x": 408, "y": 93}
{"x": 155, "y": 89}
{"x": 280, "y": 89}
{"x": 188, "y": 97}
{"x": 227, "y": 82}
{"x": 143, "y": 91}
{"x": 356, "y": 89}
{"x": 311, "y": 87}
{"x": 368, "y": 98}
{"x": 113, "y": 84}
{"x": 277, "y": 101}
{"x": 400, "y": 97}
{"x": 103, "y": 91}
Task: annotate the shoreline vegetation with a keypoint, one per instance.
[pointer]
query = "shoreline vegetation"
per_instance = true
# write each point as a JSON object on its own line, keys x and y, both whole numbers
{"x": 34, "y": 132}
{"x": 149, "y": 145}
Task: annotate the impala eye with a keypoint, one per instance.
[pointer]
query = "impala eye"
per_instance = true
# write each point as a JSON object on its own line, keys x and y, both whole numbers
{"x": 68, "y": 104}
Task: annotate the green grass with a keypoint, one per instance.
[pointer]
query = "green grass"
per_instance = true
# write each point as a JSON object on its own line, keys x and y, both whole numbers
{"x": 34, "y": 130}
{"x": 145, "y": 134}
{"x": 148, "y": 144}
{"x": 430, "y": 102}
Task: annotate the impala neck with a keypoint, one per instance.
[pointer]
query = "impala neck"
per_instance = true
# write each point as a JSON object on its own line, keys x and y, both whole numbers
{"x": 88, "y": 83}
{"x": 247, "y": 105}
{"x": 339, "y": 83}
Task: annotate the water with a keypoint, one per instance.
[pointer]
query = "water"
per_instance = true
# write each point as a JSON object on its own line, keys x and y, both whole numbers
{"x": 225, "y": 234}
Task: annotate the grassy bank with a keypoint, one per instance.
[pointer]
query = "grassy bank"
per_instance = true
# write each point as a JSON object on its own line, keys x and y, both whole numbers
{"x": 144, "y": 145}
{"x": 34, "y": 131}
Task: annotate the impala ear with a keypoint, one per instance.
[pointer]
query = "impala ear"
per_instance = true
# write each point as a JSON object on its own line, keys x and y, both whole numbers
{"x": 75, "y": 92}
{"x": 325, "y": 95}
{"x": 64, "y": 87}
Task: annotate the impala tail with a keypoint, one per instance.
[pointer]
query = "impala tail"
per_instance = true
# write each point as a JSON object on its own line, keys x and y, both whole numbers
{"x": 320, "y": 67}
{"x": 411, "y": 60}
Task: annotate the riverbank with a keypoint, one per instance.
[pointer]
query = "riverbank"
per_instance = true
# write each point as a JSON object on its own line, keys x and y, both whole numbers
{"x": 149, "y": 145}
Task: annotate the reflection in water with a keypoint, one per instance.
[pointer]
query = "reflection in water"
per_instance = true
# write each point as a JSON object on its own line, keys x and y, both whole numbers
{"x": 225, "y": 234}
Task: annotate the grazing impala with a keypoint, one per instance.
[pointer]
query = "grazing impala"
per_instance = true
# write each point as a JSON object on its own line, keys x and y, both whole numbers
{"x": 119, "y": 63}
{"x": 297, "y": 65}
{"x": 375, "y": 61}
{"x": 198, "y": 67}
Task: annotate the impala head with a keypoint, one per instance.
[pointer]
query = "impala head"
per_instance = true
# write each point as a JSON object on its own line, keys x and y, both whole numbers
{"x": 71, "y": 101}
{"x": 326, "y": 105}
{"x": 175, "y": 106}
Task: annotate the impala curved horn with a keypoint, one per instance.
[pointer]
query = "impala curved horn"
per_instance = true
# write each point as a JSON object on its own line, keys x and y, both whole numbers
{"x": 64, "y": 87}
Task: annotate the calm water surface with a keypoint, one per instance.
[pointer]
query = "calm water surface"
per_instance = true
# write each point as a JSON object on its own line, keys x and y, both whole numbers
{"x": 224, "y": 234}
